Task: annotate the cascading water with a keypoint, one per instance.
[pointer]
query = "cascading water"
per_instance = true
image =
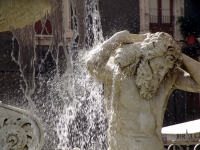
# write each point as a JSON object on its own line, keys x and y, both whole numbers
{"x": 62, "y": 95}
{"x": 85, "y": 124}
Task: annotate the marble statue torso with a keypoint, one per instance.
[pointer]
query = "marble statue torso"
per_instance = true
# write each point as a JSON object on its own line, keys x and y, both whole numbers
{"x": 131, "y": 116}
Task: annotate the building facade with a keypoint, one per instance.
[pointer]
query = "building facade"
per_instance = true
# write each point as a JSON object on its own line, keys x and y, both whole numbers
{"x": 136, "y": 16}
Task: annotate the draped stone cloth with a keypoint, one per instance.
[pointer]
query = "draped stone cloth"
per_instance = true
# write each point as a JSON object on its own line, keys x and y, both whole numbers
{"x": 19, "y": 13}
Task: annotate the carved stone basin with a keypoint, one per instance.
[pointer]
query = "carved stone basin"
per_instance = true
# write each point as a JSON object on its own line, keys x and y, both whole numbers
{"x": 19, "y": 130}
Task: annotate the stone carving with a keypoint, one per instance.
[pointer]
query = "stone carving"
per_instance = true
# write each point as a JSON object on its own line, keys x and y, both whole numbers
{"x": 19, "y": 130}
{"x": 139, "y": 73}
{"x": 19, "y": 13}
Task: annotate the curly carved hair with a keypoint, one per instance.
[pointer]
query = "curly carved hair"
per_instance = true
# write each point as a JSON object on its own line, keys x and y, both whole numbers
{"x": 134, "y": 61}
{"x": 155, "y": 45}
{"x": 161, "y": 44}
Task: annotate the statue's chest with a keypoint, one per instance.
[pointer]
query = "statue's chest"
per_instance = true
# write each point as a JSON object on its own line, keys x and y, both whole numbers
{"x": 129, "y": 95}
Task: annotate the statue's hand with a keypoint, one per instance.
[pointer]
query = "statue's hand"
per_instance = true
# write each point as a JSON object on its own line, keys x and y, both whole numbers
{"x": 122, "y": 37}
{"x": 125, "y": 55}
{"x": 120, "y": 57}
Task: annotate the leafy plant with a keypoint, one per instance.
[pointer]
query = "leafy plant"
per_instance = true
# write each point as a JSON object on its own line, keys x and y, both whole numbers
{"x": 188, "y": 25}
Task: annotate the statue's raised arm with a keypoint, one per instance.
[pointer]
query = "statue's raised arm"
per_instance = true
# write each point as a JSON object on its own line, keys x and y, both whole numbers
{"x": 98, "y": 57}
{"x": 190, "y": 80}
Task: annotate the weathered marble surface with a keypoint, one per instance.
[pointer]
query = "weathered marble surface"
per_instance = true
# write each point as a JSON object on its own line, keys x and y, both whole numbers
{"x": 139, "y": 73}
{"x": 19, "y": 13}
{"x": 19, "y": 130}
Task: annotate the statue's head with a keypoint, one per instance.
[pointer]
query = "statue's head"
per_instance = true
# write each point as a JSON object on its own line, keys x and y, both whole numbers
{"x": 158, "y": 55}
{"x": 161, "y": 44}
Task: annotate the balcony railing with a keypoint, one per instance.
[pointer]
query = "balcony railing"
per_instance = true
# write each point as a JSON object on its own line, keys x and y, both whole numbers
{"x": 161, "y": 19}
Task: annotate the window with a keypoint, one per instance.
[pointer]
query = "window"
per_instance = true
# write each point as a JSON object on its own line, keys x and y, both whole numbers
{"x": 161, "y": 16}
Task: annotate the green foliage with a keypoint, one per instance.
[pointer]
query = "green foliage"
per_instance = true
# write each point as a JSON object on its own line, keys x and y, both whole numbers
{"x": 188, "y": 25}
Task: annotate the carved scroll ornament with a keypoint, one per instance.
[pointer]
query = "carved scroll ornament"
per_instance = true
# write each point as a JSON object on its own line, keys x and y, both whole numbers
{"x": 19, "y": 130}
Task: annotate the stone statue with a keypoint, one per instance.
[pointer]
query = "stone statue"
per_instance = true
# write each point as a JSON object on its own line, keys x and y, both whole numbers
{"x": 139, "y": 73}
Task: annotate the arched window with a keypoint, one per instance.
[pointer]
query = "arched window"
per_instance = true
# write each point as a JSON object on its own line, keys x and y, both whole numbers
{"x": 43, "y": 32}
{"x": 45, "y": 29}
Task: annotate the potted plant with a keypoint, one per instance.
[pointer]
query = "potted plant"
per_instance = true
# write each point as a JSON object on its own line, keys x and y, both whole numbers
{"x": 188, "y": 28}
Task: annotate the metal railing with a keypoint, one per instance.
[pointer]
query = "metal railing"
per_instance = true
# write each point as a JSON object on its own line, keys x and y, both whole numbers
{"x": 173, "y": 146}
{"x": 183, "y": 141}
{"x": 161, "y": 19}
